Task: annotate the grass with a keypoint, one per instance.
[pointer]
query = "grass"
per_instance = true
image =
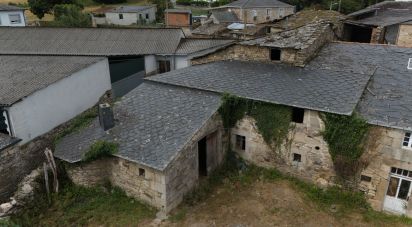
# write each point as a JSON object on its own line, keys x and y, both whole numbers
{"x": 235, "y": 173}
{"x": 80, "y": 206}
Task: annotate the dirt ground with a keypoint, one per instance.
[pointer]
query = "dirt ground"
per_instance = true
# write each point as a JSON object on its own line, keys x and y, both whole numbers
{"x": 261, "y": 204}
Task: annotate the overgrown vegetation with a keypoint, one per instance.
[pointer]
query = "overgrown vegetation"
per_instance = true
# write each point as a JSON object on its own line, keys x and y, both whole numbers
{"x": 234, "y": 173}
{"x": 79, "y": 206}
{"x": 273, "y": 121}
{"x": 69, "y": 15}
{"x": 345, "y": 136}
{"x": 100, "y": 149}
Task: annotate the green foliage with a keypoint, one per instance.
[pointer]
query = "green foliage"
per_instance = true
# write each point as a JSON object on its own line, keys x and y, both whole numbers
{"x": 347, "y": 6}
{"x": 80, "y": 206}
{"x": 192, "y": 3}
{"x": 41, "y": 7}
{"x": 161, "y": 7}
{"x": 273, "y": 121}
{"x": 220, "y": 3}
{"x": 68, "y": 15}
{"x": 345, "y": 136}
{"x": 100, "y": 149}
{"x": 110, "y": 1}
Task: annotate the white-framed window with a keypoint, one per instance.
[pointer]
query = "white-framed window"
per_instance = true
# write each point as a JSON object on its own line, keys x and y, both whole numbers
{"x": 410, "y": 64}
{"x": 15, "y": 18}
{"x": 407, "y": 141}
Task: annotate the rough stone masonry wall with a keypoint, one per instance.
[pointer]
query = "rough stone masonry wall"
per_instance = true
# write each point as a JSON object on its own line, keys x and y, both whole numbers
{"x": 236, "y": 52}
{"x": 384, "y": 151}
{"x": 316, "y": 163}
{"x": 182, "y": 174}
{"x": 124, "y": 174}
{"x": 405, "y": 35}
{"x": 377, "y": 35}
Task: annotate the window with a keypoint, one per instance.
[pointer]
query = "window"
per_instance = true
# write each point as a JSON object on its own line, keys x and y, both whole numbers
{"x": 14, "y": 18}
{"x": 267, "y": 12}
{"x": 240, "y": 142}
{"x": 4, "y": 122}
{"x": 297, "y": 157}
{"x": 366, "y": 178}
{"x": 407, "y": 142}
{"x": 140, "y": 17}
{"x": 164, "y": 66}
{"x": 147, "y": 16}
{"x": 120, "y": 16}
{"x": 142, "y": 172}
{"x": 401, "y": 172}
{"x": 410, "y": 64}
{"x": 298, "y": 115}
{"x": 275, "y": 54}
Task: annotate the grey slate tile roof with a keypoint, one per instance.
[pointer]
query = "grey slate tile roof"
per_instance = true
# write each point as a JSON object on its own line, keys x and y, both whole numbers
{"x": 225, "y": 16}
{"x": 189, "y": 46}
{"x": 7, "y": 141}
{"x": 384, "y": 14}
{"x": 387, "y": 101}
{"x": 154, "y": 122}
{"x": 317, "y": 89}
{"x": 130, "y": 9}
{"x": 88, "y": 41}
{"x": 299, "y": 38}
{"x": 257, "y": 4}
{"x": 20, "y": 76}
{"x": 4, "y": 7}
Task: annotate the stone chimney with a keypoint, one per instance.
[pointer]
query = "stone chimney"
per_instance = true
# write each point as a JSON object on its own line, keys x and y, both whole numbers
{"x": 106, "y": 117}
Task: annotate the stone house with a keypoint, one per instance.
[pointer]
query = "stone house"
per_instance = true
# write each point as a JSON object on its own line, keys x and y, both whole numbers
{"x": 387, "y": 22}
{"x": 125, "y": 15}
{"x": 169, "y": 138}
{"x": 257, "y": 11}
{"x": 12, "y": 16}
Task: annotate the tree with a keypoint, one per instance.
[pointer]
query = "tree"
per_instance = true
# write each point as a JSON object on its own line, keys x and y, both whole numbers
{"x": 161, "y": 7}
{"x": 110, "y": 1}
{"x": 41, "y": 7}
{"x": 68, "y": 15}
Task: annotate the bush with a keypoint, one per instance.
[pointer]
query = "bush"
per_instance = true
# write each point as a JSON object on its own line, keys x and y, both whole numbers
{"x": 220, "y": 3}
{"x": 110, "y": 1}
{"x": 192, "y": 3}
{"x": 68, "y": 15}
{"x": 100, "y": 149}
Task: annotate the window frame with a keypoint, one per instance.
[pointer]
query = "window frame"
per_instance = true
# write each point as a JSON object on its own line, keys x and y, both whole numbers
{"x": 409, "y": 141}
{"x": 15, "y": 22}
{"x": 142, "y": 172}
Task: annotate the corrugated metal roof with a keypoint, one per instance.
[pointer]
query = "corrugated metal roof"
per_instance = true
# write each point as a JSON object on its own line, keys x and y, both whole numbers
{"x": 20, "y": 76}
{"x": 88, "y": 41}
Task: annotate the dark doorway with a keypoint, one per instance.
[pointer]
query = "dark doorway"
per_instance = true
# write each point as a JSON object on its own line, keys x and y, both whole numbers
{"x": 359, "y": 34}
{"x": 202, "y": 149}
{"x": 275, "y": 54}
{"x": 164, "y": 66}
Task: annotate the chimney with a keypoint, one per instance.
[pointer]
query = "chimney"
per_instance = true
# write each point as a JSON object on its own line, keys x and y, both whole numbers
{"x": 106, "y": 117}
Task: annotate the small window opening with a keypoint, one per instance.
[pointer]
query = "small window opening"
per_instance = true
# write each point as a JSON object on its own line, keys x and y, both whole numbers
{"x": 410, "y": 64}
{"x": 297, "y": 157}
{"x": 407, "y": 141}
{"x": 298, "y": 115}
{"x": 317, "y": 148}
{"x": 140, "y": 16}
{"x": 366, "y": 178}
{"x": 147, "y": 16}
{"x": 275, "y": 54}
{"x": 142, "y": 172}
{"x": 240, "y": 142}
{"x": 121, "y": 16}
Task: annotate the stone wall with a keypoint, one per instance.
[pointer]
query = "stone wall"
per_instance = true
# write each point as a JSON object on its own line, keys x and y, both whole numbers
{"x": 384, "y": 151}
{"x": 405, "y": 35}
{"x": 182, "y": 175}
{"x": 304, "y": 139}
{"x": 236, "y": 52}
{"x": 377, "y": 35}
{"x": 149, "y": 188}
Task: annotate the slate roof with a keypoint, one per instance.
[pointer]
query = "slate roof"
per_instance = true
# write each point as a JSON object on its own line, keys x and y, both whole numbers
{"x": 316, "y": 89}
{"x": 190, "y": 46}
{"x": 225, "y": 16}
{"x": 299, "y": 38}
{"x": 20, "y": 76}
{"x": 256, "y": 4}
{"x": 88, "y": 41}
{"x": 387, "y": 101}
{"x": 4, "y": 7}
{"x": 383, "y": 14}
{"x": 130, "y": 9}
{"x": 7, "y": 141}
{"x": 154, "y": 123}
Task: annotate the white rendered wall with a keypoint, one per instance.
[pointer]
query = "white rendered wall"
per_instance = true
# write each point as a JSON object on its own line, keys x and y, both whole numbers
{"x": 59, "y": 102}
{"x": 182, "y": 62}
{"x": 5, "y": 20}
{"x": 131, "y": 18}
{"x": 150, "y": 64}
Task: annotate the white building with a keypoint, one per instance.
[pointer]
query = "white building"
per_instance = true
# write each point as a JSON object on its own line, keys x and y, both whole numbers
{"x": 125, "y": 15}
{"x": 12, "y": 16}
{"x": 42, "y": 92}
